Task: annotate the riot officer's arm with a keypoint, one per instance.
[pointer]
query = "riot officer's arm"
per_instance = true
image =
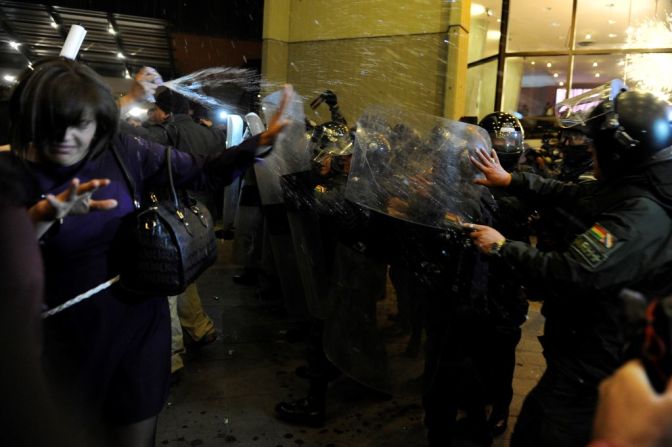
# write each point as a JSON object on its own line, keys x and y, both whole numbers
{"x": 610, "y": 254}
{"x": 535, "y": 188}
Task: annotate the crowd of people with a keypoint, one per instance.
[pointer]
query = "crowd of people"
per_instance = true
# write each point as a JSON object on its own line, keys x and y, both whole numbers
{"x": 98, "y": 373}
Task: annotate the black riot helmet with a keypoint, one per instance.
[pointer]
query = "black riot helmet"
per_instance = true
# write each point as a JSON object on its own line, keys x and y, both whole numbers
{"x": 628, "y": 130}
{"x": 507, "y": 135}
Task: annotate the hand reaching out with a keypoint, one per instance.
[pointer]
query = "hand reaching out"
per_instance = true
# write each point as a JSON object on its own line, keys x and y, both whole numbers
{"x": 488, "y": 164}
{"x": 485, "y": 238}
{"x": 277, "y": 123}
{"x": 72, "y": 201}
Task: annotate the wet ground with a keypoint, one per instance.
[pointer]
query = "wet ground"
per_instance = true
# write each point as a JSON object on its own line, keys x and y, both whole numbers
{"x": 228, "y": 389}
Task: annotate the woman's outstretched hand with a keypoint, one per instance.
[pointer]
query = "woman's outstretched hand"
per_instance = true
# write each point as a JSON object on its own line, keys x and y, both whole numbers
{"x": 277, "y": 122}
{"x": 488, "y": 164}
{"x": 72, "y": 201}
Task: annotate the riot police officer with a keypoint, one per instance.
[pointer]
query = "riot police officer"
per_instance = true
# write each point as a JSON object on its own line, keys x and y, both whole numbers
{"x": 625, "y": 241}
{"x": 496, "y": 356}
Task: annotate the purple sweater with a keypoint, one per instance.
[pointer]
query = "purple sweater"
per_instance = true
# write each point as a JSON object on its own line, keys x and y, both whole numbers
{"x": 81, "y": 252}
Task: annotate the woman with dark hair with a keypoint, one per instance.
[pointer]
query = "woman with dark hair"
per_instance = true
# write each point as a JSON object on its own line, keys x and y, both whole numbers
{"x": 109, "y": 356}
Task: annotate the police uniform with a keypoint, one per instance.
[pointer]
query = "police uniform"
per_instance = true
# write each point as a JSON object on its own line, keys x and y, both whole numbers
{"x": 625, "y": 243}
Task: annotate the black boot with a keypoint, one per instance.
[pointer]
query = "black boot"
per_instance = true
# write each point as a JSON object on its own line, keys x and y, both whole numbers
{"x": 307, "y": 411}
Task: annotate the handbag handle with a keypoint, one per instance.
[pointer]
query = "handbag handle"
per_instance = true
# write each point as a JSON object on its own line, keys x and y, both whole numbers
{"x": 131, "y": 182}
{"x": 172, "y": 192}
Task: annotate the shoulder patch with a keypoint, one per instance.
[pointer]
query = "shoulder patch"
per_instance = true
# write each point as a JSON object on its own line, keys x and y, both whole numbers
{"x": 602, "y": 235}
{"x": 595, "y": 245}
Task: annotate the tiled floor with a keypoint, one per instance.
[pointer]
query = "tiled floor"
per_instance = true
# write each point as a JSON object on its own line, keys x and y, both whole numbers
{"x": 228, "y": 389}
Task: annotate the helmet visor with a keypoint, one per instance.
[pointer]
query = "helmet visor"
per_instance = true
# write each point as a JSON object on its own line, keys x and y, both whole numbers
{"x": 507, "y": 141}
{"x": 575, "y": 111}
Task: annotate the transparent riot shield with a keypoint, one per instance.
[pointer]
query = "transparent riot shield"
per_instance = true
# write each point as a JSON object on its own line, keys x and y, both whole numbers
{"x": 289, "y": 154}
{"x": 416, "y": 167}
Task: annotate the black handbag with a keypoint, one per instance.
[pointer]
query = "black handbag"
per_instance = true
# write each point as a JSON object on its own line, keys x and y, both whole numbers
{"x": 169, "y": 242}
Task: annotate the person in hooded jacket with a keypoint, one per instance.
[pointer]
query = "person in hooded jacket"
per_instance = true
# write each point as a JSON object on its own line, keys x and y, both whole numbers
{"x": 625, "y": 241}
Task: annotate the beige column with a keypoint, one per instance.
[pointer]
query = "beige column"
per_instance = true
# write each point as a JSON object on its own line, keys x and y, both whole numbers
{"x": 409, "y": 54}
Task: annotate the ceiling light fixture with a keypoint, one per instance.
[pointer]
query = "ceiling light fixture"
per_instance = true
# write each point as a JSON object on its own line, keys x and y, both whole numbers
{"x": 594, "y": 64}
{"x": 549, "y": 65}
{"x": 120, "y": 55}
{"x": 561, "y": 83}
{"x": 111, "y": 30}
{"x": 555, "y": 75}
{"x": 14, "y": 45}
{"x": 533, "y": 63}
{"x": 9, "y": 78}
{"x": 489, "y": 12}
{"x": 597, "y": 75}
{"x": 612, "y": 35}
{"x": 588, "y": 36}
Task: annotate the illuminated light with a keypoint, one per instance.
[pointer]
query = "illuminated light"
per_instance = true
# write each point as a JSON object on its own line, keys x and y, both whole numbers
{"x": 588, "y": 36}
{"x": 477, "y": 9}
{"x": 594, "y": 64}
{"x": 137, "y": 112}
{"x": 629, "y": 30}
{"x": 9, "y": 78}
{"x": 621, "y": 62}
{"x": 489, "y": 12}
{"x": 549, "y": 65}
{"x": 597, "y": 75}
{"x": 223, "y": 114}
{"x": 533, "y": 63}
{"x": 612, "y": 35}
{"x": 14, "y": 45}
{"x": 120, "y": 55}
{"x": 555, "y": 24}
{"x": 561, "y": 84}
{"x": 555, "y": 75}
{"x": 650, "y": 71}
{"x": 111, "y": 30}
{"x": 54, "y": 24}
{"x": 611, "y": 22}
{"x": 499, "y": 20}
{"x": 127, "y": 75}
{"x": 493, "y": 34}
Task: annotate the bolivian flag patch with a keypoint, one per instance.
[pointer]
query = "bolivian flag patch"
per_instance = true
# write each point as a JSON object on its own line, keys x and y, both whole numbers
{"x": 602, "y": 235}
{"x": 594, "y": 246}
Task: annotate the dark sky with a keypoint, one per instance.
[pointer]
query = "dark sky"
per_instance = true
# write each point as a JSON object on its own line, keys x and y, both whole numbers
{"x": 229, "y": 18}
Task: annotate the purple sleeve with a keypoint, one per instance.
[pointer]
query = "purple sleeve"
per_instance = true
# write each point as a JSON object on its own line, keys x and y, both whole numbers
{"x": 189, "y": 170}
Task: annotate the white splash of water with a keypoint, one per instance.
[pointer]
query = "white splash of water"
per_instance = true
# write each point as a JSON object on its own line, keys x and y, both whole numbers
{"x": 219, "y": 87}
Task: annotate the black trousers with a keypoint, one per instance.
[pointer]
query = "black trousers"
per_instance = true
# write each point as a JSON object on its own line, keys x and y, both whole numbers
{"x": 558, "y": 412}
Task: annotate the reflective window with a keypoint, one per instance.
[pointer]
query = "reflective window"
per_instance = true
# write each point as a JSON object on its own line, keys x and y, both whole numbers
{"x": 612, "y": 24}
{"x": 539, "y": 25}
{"x": 531, "y": 84}
{"x": 481, "y": 83}
{"x": 484, "y": 31}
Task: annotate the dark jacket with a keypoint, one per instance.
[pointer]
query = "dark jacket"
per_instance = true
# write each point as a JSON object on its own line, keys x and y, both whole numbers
{"x": 183, "y": 133}
{"x": 626, "y": 242}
